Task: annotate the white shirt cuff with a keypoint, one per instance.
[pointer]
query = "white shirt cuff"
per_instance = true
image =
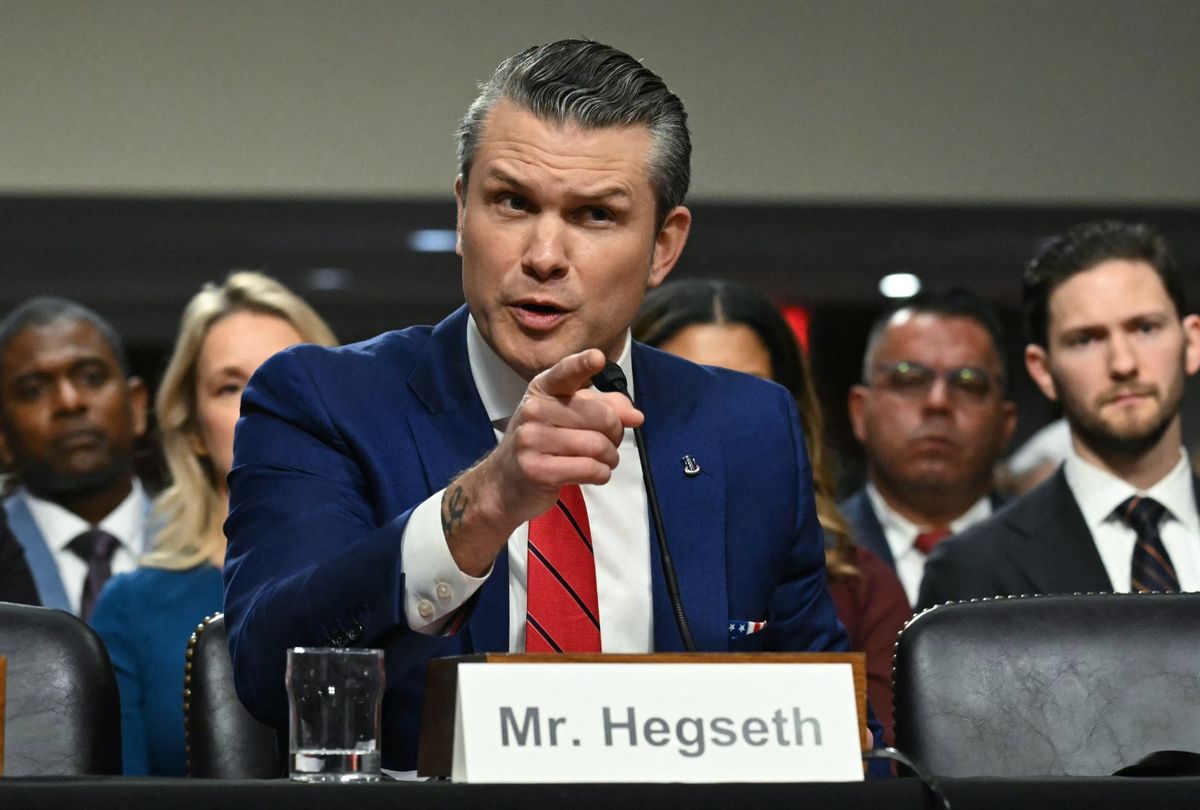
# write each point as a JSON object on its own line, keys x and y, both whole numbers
{"x": 434, "y": 587}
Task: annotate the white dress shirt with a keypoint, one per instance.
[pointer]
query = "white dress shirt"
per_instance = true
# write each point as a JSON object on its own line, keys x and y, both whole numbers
{"x": 617, "y": 512}
{"x": 60, "y": 526}
{"x": 1099, "y": 493}
{"x": 901, "y": 534}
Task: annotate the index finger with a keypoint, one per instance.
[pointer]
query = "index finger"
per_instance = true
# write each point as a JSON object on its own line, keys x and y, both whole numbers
{"x": 571, "y": 374}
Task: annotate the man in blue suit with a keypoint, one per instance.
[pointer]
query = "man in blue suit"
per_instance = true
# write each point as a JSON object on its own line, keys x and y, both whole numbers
{"x": 387, "y": 493}
{"x": 70, "y": 418}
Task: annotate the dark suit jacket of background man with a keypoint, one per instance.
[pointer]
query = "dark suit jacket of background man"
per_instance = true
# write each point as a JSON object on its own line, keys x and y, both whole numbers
{"x": 16, "y": 581}
{"x": 1039, "y": 543}
{"x": 337, "y": 446}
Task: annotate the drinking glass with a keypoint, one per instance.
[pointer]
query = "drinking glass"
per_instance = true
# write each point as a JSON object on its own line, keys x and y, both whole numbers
{"x": 335, "y": 696}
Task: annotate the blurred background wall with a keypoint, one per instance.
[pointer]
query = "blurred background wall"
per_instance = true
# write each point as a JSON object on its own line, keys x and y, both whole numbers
{"x": 147, "y": 146}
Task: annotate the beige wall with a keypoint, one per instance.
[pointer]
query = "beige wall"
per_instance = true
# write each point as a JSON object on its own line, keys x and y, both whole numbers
{"x": 1070, "y": 100}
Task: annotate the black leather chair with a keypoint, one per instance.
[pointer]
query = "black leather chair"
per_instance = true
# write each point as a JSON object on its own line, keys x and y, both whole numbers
{"x": 63, "y": 713}
{"x": 224, "y": 741}
{"x": 1048, "y": 685}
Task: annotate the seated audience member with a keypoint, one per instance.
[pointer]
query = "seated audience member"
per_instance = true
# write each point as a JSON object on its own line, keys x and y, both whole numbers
{"x": 146, "y": 617}
{"x": 1112, "y": 341}
{"x": 16, "y": 582}
{"x": 730, "y": 325}
{"x": 933, "y": 420}
{"x": 70, "y": 418}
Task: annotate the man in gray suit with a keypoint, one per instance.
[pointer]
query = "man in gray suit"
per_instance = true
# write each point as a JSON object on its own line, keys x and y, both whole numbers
{"x": 933, "y": 419}
{"x": 1111, "y": 340}
{"x": 70, "y": 416}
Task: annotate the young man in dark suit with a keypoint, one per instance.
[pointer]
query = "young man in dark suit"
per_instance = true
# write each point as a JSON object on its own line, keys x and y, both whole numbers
{"x": 1113, "y": 343}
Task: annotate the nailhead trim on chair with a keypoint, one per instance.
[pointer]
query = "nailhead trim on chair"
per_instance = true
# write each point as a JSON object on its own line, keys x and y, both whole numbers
{"x": 187, "y": 683}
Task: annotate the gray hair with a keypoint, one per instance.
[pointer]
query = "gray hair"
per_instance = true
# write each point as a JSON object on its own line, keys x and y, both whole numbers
{"x": 595, "y": 86}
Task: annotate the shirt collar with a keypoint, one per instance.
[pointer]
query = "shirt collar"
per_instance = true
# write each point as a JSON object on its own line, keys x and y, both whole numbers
{"x": 500, "y": 388}
{"x": 893, "y": 522}
{"x": 59, "y": 526}
{"x": 1099, "y": 492}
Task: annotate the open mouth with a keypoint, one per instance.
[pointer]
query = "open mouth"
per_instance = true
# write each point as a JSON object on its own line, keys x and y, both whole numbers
{"x": 538, "y": 315}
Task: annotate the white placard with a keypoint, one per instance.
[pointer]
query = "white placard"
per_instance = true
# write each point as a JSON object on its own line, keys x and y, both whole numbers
{"x": 573, "y": 722}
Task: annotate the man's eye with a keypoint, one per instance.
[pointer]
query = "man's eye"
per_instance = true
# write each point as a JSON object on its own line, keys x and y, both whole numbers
{"x": 93, "y": 379}
{"x": 27, "y": 393}
{"x": 514, "y": 202}
{"x": 599, "y": 214}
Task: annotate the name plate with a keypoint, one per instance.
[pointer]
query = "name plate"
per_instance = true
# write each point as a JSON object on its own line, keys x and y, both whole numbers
{"x": 656, "y": 723}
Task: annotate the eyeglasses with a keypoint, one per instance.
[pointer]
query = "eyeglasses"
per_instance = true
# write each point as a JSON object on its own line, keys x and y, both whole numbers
{"x": 913, "y": 380}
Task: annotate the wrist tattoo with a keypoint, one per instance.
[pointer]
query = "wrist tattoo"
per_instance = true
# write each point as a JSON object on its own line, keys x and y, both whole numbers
{"x": 454, "y": 506}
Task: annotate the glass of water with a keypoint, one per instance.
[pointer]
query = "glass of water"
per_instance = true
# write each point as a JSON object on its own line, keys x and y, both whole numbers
{"x": 335, "y": 696}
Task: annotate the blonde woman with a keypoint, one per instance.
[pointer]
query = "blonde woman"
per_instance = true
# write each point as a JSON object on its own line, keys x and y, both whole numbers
{"x": 146, "y": 617}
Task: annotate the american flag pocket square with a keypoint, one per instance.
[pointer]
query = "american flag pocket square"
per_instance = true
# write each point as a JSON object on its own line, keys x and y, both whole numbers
{"x": 739, "y": 628}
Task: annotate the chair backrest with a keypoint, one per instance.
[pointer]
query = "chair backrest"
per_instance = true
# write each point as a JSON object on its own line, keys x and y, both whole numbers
{"x": 1048, "y": 685}
{"x": 224, "y": 741}
{"x": 63, "y": 709}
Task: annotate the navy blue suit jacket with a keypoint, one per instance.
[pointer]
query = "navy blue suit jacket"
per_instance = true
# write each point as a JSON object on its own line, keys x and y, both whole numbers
{"x": 865, "y": 528}
{"x": 337, "y": 446}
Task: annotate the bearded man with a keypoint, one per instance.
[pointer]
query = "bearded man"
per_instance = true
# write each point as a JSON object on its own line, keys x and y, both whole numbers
{"x": 1111, "y": 340}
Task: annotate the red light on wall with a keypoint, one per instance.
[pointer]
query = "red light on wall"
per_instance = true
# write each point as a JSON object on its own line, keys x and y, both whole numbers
{"x": 797, "y": 318}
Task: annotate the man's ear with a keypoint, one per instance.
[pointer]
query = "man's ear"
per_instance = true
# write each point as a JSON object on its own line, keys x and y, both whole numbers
{"x": 139, "y": 404}
{"x": 1191, "y": 345}
{"x": 1037, "y": 363}
{"x": 668, "y": 244}
{"x": 460, "y": 190}
{"x": 856, "y": 403}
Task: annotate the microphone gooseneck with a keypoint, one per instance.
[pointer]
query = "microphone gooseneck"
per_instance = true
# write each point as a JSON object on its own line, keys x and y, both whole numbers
{"x": 612, "y": 379}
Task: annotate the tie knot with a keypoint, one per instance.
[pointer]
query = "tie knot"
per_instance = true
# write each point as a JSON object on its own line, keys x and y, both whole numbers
{"x": 1141, "y": 514}
{"x": 926, "y": 540}
{"x": 94, "y": 545}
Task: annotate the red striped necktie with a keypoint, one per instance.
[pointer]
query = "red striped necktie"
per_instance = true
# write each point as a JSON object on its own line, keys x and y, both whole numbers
{"x": 563, "y": 611}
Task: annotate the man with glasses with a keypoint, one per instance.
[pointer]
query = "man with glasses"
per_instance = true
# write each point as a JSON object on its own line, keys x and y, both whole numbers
{"x": 1111, "y": 341}
{"x": 933, "y": 420}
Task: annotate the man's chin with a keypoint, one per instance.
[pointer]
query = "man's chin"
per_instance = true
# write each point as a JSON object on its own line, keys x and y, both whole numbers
{"x": 53, "y": 483}
{"x": 1126, "y": 439}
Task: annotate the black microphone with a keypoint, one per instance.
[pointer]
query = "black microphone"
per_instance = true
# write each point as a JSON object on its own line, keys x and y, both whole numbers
{"x": 613, "y": 379}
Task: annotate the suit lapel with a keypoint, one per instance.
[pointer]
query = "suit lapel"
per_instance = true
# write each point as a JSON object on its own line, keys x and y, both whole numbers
{"x": 46, "y": 576}
{"x": 1056, "y": 550}
{"x": 693, "y": 510}
{"x": 858, "y": 510}
{"x": 451, "y": 433}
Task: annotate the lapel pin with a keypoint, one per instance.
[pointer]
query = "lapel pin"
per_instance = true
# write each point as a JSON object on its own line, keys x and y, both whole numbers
{"x": 690, "y": 468}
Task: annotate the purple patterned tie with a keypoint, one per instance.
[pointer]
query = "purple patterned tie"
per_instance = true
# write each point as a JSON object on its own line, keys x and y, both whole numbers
{"x": 95, "y": 547}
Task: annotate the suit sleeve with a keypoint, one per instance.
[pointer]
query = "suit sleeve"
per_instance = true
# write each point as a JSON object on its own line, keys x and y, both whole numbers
{"x": 802, "y": 599}
{"x": 803, "y": 615}
{"x": 307, "y": 562}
